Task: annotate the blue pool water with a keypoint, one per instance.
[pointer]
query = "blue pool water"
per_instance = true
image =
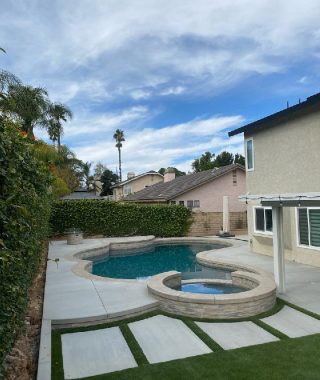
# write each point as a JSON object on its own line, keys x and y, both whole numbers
{"x": 203, "y": 288}
{"x": 162, "y": 258}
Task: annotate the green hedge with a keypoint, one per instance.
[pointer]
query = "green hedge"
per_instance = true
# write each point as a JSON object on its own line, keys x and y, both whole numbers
{"x": 119, "y": 219}
{"x": 24, "y": 215}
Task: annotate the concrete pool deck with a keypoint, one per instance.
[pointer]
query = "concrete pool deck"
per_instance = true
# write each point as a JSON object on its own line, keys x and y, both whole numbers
{"x": 72, "y": 296}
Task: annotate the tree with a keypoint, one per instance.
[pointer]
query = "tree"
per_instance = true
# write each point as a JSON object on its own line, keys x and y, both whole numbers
{"x": 108, "y": 179}
{"x": 99, "y": 169}
{"x": 239, "y": 159}
{"x": 119, "y": 137}
{"x": 209, "y": 161}
{"x": 57, "y": 113}
{"x": 223, "y": 159}
{"x": 86, "y": 167}
{"x": 28, "y": 105}
{"x": 205, "y": 162}
{"x": 177, "y": 172}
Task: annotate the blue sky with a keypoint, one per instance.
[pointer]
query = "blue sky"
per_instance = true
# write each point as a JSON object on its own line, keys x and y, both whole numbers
{"x": 175, "y": 75}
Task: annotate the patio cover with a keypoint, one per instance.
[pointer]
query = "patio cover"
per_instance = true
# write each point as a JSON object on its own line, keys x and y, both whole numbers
{"x": 277, "y": 202}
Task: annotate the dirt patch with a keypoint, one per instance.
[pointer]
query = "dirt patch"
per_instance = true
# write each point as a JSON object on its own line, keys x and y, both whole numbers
{"x": 23, "y": 359}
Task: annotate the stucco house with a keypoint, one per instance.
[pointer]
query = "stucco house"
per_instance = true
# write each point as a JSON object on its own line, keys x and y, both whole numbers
{"x": 203, "y": 193}
{"x": 135, "y": 183}
{"x": 283, "y": 184}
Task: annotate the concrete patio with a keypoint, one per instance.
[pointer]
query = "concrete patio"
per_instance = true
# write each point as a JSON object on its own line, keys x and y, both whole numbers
{"x": 72, "y": 295}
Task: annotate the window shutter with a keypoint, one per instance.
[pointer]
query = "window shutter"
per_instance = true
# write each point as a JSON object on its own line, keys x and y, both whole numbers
{"x": 303, "y": 226}
{"x": 314, "y": 216}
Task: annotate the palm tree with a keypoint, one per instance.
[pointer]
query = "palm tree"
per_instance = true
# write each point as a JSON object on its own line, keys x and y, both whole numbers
{"x": 57, "y": 112}
{"x": 7, "y": 80}
{"x": 27, "y": 104}
{"x": 119, "y": 137}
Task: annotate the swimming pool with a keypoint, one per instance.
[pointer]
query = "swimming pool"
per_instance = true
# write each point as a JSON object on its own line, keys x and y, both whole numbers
{"x": 146, "y": 262}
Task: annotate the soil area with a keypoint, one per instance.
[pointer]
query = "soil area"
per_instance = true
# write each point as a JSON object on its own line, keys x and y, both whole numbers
{"x": 23, "y": 359}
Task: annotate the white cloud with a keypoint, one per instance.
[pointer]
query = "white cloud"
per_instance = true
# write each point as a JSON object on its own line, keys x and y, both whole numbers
{"x": 108, "y": 45}
{"x": 172, "y": 91}
{"x": 173, "y": 145}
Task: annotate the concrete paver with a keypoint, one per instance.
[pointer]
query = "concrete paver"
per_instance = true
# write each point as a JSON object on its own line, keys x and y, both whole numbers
{"x": 236, "y": 334}
{"x": 293, "y": 323}
{"x": 96, "y": 352}
{"x": 162, "y": 339}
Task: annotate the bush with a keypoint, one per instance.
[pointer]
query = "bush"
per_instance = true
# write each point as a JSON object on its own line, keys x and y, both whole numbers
{"x": 24, "y": 215}
{"x": 59, "y": 188}
{"x": 95, "y": 217}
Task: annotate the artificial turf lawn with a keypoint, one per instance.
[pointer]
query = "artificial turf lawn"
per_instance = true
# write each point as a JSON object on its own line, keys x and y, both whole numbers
{"x": 286, "y": 359}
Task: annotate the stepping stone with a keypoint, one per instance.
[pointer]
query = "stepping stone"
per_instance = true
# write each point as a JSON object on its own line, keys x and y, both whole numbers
{"x": 162, "y": 339}
{"x": 293, "y": 323}
{"x": 96, "y": 352}
{"x": 236, "y": 334}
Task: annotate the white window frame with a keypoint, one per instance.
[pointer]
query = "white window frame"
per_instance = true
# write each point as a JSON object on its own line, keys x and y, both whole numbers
{"x": 246, "y": 151}
{"x": 126, "y": 188}
{"x": 196, "y": 200}
{"x": 258, "y": 232}
{"x": 298, "y": 229}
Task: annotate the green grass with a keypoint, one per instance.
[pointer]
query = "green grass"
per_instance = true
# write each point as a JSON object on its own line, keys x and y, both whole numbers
{"x": 286, "y": 359}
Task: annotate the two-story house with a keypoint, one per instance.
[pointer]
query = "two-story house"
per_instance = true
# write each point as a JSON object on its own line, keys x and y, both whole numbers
{"x": 135, "y": 183}
{"x": 283, "y": 183}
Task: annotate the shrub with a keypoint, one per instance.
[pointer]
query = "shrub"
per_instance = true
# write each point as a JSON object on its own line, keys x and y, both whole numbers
{"x": 119, "y": 219}
{"x": 59, "y": 187}
{"x": 24, "y": 214}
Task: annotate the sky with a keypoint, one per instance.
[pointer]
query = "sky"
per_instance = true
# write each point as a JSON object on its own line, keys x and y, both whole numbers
{"x": 174, "y": 75}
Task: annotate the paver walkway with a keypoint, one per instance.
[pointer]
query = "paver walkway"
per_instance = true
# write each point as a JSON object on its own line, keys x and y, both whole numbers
{"x": 236, "y": 334}
{"x": 162, "y": 339}
{"x": 293, "y": 323}
{"x": 93, "y": 353}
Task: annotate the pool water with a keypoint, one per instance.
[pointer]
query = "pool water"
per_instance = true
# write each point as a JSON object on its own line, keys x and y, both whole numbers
{"x": 203, "y": 288}
{"x": 160, "y": 258}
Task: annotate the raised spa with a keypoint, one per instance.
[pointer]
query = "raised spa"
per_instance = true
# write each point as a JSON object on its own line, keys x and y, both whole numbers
{"x": 209, "y": 288}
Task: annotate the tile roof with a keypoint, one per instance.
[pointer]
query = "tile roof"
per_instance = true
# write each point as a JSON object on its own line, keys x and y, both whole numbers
{"x": 165, "y": 191}
{"x": 81, "y": 195}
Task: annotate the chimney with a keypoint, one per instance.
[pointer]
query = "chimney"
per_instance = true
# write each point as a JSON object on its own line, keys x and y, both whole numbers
{"x": 130, "y": 175}
{"x": 169, "y": 175}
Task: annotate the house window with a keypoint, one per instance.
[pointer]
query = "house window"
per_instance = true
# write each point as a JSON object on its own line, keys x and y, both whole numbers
{"x": 196, "y": 204}
{"x": 193, "y": 204}
{"x": 249, "y": 154}
{"x": 309, "y": 226}
{"x": 173, "y": 202}
{"x": 181, "y": 203}
{"x": 190, "y": 204}
{"x": 263, "y": 220}
{"x": 127, "y": 190}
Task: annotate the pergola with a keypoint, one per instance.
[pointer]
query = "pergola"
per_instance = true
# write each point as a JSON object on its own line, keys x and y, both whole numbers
{"x": 277, "y": 202}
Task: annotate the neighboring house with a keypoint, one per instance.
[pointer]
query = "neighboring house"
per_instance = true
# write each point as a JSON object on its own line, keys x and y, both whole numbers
{"x": 80, "y": 194}
{"x": 135, "y": 183}
{"x": 203, "y": 192}
{"x": 283, "y": 183}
